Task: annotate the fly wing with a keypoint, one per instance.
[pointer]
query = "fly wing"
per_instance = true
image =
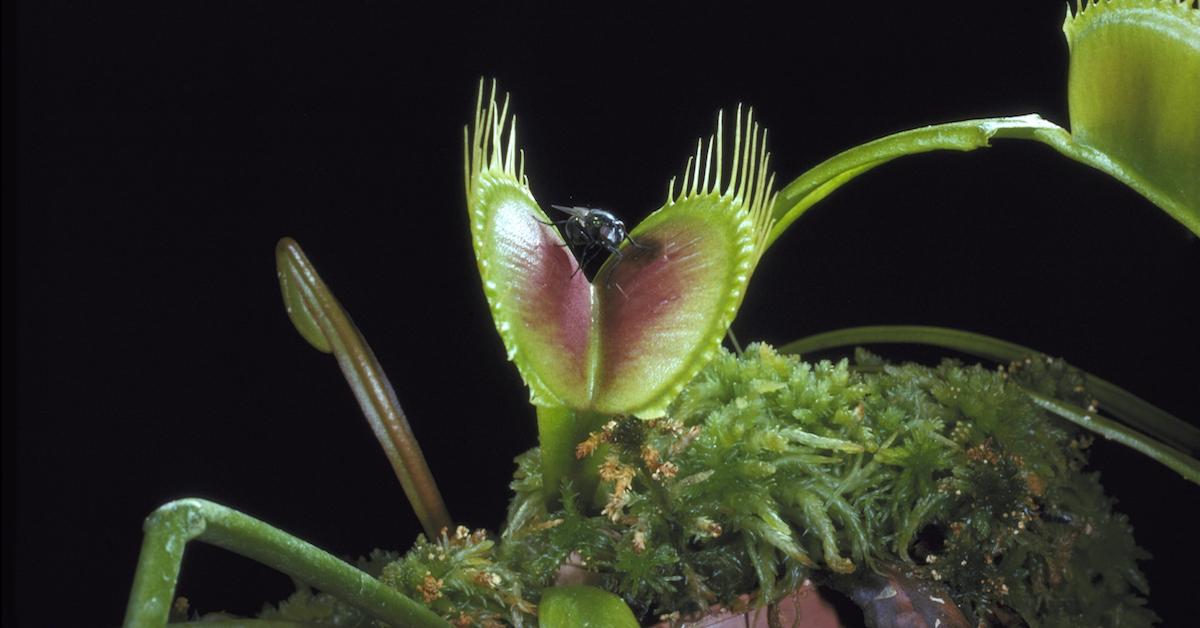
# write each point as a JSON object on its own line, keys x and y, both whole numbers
{"x": 578, "y": 212}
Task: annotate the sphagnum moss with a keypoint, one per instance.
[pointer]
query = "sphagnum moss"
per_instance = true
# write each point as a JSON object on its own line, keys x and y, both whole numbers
{"x": 769, "y": 470}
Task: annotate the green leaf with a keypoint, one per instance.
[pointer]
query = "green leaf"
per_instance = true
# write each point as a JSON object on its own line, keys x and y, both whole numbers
{"x": 583, "y": 607}
{"x": 1134, "y": 94}
{"x": 658, "y": 310}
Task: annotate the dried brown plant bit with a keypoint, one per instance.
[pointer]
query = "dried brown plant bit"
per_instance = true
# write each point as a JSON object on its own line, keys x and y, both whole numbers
{"x": 487, "y": 579}
{"x": 588, "y": 446}
{"x": 666, "y": 470}
{"x": 673, "y": 426}
{"x": 179, "y": 609}
{"x": 708, "y": 527}
{"x": 650, "y": 457}
{"x": 1037, "y": 486}
{"x": 430, "y": 588}
{"x": 594, "y": 440}
{"x": 658, "y": 468}
{"x": 621, "y": 476}
{"x": 685, "y": 439}
{"x": 983, "y": 452}
{"x": 615, "y": 507}
{"x": 639, "y": 541}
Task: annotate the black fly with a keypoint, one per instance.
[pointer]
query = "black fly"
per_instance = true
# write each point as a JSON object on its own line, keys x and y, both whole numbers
{"x": 590, "y": 231}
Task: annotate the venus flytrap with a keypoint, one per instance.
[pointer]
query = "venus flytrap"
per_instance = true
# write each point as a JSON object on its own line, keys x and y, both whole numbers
{"x": 677, "y": 476}
{"x": 629, "y": 341}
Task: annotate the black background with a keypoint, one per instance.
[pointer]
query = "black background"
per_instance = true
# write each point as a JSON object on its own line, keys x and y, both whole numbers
{"x": 161, "y": 151}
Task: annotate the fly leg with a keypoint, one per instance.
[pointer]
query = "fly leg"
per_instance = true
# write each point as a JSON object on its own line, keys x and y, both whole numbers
{"x": 588, "y": 254}
{"x": 556, "y": 223}
{"x": 636, "y": 244}
{"x": 608, "y": 276}
{"x": 589, "y": 245}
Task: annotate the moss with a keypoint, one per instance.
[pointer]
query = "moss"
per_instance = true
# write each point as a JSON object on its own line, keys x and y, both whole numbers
{"x": 768, "y": 470}
{"x": 778, "y": 469}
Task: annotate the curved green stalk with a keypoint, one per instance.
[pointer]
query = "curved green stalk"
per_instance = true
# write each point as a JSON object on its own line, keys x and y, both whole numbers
{"x": 172, "y": 526}
{"x": 1128, "y": 408}
{"x": 821, "y": 180}
{"x": 1169, "y": 457}
{"x": 319, "y": 317}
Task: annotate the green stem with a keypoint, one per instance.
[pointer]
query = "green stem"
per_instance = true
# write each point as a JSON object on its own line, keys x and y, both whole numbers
{"x": 1134, "y": 412}
{"x": 172, "y": 526}
{"x": 322, "y": 321}
{"x": 559, "y": 431}
{"x": 827, "y": 176}
{"x": 821, "y": 180}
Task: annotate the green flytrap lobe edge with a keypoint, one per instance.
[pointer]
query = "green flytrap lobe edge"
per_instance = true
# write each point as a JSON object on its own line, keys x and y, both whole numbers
{"x": 734, "y": 223}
